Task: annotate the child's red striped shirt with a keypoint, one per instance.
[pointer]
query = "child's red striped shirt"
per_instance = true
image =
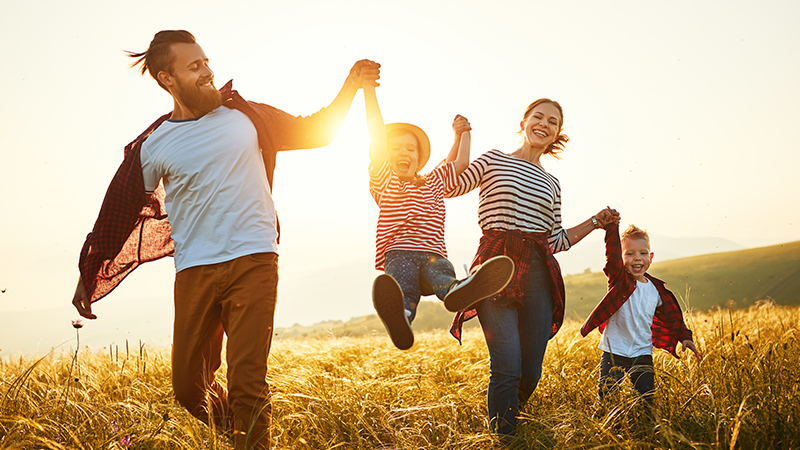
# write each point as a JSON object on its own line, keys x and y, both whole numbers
{"x": 411, "y": 217}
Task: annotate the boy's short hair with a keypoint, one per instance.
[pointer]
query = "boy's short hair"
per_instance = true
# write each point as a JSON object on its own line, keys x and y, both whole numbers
{"x": 634, "y": 232}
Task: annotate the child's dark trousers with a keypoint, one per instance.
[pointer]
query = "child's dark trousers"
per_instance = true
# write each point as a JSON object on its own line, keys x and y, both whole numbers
{"x": 639, "y": 369}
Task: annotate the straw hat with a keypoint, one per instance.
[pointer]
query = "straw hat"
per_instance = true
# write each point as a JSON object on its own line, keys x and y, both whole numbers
{"x": 424, "y": 148}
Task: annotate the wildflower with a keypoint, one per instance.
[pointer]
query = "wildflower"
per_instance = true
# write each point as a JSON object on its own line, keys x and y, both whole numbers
{"x": 114, "y": 427}
{"x": 125, "y": 441}
{"x": 77, "y": 324}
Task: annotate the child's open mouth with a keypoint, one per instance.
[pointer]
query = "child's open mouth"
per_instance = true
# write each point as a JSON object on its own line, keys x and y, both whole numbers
{"x": 403, "y": 165}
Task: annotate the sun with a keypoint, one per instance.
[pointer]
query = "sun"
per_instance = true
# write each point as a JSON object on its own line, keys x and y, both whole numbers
{"x": 353, "y": 132}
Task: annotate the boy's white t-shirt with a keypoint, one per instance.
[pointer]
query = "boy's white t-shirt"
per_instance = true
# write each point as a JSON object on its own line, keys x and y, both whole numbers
{"x": 628, "y": 332}
{"x": 217, "y": 196}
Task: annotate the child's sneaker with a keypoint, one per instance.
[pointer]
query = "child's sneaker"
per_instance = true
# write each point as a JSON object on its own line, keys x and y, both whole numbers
{"x": 490, "y": 278}
{"x": 387, "y": 297}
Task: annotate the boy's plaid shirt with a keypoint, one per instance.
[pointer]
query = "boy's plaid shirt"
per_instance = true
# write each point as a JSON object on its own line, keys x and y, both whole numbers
{"x": 520, "y": 247}
{"x": 132, "y": 227}
{"x": 668, "y": 327}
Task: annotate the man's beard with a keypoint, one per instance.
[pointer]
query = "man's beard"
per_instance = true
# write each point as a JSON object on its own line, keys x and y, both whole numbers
{"x": 202, "y": 101}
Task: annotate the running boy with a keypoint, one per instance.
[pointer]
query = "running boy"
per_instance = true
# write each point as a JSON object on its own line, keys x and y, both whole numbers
{"x": 637, "y": 313}
{"x": 410, "y": 245}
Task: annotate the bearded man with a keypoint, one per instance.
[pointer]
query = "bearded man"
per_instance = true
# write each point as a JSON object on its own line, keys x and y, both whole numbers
{"x": 207, "y": 166}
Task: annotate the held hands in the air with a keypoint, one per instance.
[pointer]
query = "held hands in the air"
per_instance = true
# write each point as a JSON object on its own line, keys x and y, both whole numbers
{"x": 365, "y": 73}
{"x": 460, "y": 125}
{"x": 606, "y": 216}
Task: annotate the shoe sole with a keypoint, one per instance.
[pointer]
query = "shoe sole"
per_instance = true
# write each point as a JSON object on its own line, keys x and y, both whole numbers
{"x": 491, "y": 278}
{"x": 387, "y": 298}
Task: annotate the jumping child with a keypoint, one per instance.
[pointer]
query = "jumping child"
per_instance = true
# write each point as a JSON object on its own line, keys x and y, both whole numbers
{"x": 410, "y": 246}
{"x": 636, "y": 314}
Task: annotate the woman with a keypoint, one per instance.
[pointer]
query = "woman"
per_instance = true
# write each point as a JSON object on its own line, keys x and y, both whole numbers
{"x": 519, "y": 212}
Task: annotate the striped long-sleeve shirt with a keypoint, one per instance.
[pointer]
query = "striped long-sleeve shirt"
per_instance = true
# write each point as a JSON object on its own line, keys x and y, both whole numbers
{"x": 515, "y": 195}
{"x": 411, "y": 217}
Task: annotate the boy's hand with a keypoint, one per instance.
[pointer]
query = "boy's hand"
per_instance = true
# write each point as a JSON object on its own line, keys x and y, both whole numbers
{"x": 606, "y": 216}
{"x": 460, "y": 125}
{"x": 690, "y": 345}
{"x": 364, "y": 72}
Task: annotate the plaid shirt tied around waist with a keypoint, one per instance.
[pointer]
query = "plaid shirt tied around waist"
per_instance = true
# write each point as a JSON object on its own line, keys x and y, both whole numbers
{"x": 520, "y": 247}
{"x": 668, "y": 326}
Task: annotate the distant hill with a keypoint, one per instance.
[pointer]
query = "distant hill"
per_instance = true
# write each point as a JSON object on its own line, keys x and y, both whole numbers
{"x": 739, "y": 278}
{"x": 589, "y": 253}
{"x": 742, "y": 277}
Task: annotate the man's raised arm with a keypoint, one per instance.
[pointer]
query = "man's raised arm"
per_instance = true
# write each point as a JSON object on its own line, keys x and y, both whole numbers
{"x": 320, "y": 128}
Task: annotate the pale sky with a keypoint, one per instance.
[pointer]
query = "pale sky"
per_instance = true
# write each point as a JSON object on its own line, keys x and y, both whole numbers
{"x": 682, "y": 115}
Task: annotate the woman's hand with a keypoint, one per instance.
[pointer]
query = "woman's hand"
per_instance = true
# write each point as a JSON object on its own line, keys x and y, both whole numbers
{"x": 460, "y": 125}
{"x": 606, "y": 216}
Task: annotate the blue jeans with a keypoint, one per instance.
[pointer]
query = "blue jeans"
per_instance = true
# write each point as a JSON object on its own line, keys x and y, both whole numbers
{"x": 517, "y": 340}
{"x": 419, "y": 273}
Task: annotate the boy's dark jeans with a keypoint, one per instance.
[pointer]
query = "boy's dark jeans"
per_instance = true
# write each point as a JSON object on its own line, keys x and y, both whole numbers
{"x": 640, "y": 371}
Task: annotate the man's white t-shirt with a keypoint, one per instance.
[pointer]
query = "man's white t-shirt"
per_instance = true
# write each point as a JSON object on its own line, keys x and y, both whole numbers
{"x": 628, "y": 332}
{"x": 217, "y": 196}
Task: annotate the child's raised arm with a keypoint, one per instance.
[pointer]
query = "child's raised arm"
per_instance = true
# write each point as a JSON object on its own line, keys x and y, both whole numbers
{"x": 376, "y": 128}
{"x": 459, "y": 152}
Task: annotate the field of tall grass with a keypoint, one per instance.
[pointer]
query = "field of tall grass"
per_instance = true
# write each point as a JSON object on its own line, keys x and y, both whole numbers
{"x": 362, "y": 393}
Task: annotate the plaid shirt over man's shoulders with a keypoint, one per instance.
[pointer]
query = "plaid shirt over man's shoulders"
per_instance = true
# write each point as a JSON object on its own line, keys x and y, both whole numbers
{"x": 668, "y": 326}
{"x": 132, "y": 227}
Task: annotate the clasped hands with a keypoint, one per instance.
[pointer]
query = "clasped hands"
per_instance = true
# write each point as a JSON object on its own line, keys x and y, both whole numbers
{"x": 606, "y": 216}
{"x": 365, "y": 73}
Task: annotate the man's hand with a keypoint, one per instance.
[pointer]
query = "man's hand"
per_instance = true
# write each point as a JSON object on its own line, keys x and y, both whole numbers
{"x": 363, "y": 73}
{"x": 81, "y": 301}
{"x": 460, "y": 125}
{"x": 690, "y": 345}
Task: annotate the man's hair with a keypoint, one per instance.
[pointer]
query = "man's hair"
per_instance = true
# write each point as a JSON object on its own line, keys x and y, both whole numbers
{"x": 158, "y": 56}
{"x": 634, "y": 232}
